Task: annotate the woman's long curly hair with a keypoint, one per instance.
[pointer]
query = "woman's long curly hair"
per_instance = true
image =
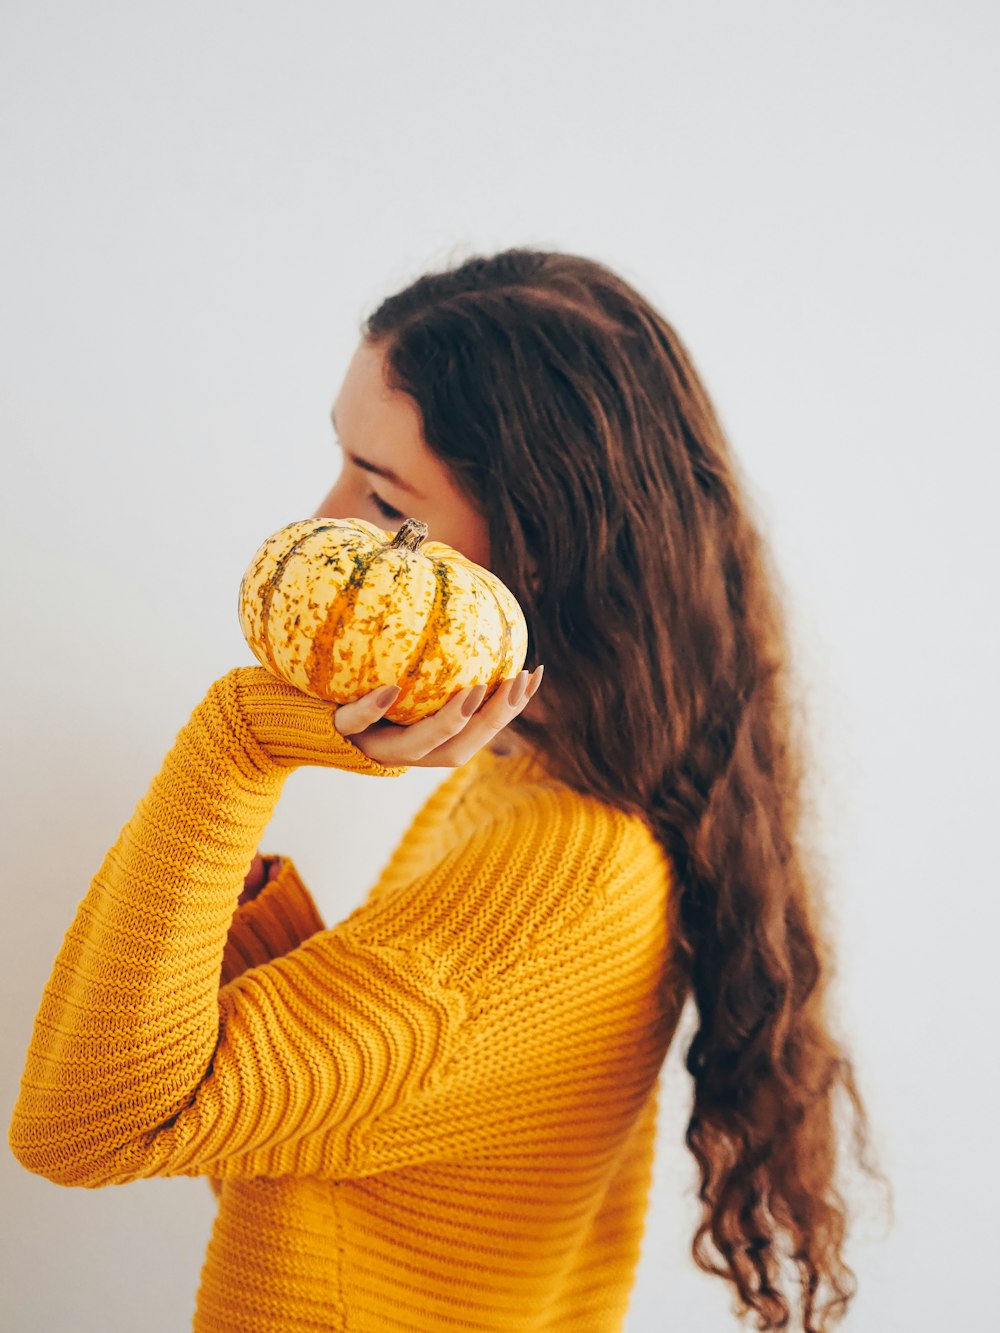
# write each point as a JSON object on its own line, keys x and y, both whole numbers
{"x": 571, "y": 415}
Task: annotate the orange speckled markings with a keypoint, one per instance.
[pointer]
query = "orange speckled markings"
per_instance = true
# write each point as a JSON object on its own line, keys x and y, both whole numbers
{"x": 338, "y": 607}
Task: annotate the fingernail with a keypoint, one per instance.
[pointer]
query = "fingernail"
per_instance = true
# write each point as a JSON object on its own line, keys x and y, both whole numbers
{"x": 387, "y": 696}
{"x": 473, "y": 701}
{"x": 535, "y": 680}
{"x": 518, "y": 688}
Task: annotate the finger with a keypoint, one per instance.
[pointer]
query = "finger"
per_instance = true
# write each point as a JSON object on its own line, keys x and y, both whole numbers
{"x": 498, "y": 712}
{"x": 255, "y": 874}
{"x": 409, "y": 745}
{"x": 486, "y": 722}
{"x": 364, "y": 712}
{"x": 500, "y": 709}
{"x": 444, "y": 738}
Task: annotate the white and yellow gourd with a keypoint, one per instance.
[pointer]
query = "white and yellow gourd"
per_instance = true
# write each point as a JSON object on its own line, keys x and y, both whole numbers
{"x": 338, "y": 607}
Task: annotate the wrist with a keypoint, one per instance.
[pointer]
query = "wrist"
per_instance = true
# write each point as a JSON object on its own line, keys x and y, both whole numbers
{"x": 292, "y": 728}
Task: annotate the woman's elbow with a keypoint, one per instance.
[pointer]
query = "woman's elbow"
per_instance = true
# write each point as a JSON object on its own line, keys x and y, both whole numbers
{"x": 62, "y": 1161}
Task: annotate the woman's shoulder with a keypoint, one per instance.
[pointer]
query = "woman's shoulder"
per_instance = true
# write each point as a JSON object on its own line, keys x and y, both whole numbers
{"x": 595, "y": 830}
{"x": 544, "y": 861}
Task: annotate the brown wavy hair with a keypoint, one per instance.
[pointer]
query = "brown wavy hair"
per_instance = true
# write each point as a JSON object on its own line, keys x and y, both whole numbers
{"x": 572, "y": 417}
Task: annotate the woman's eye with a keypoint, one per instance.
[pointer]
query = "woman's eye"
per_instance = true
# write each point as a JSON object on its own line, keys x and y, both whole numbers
{"x": 382, "y": 507}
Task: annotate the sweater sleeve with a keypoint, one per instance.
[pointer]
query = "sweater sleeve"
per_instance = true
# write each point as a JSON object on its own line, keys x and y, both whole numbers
{"x": 277, "y": 919}
{"x": 138, "y": 1063}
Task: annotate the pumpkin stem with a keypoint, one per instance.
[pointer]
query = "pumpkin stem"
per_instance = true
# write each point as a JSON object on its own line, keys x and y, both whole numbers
{"x": 411, "y": 534}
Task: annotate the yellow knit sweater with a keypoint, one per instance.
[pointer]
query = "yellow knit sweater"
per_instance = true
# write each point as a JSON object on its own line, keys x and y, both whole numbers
{"x": 437, "y": 1114}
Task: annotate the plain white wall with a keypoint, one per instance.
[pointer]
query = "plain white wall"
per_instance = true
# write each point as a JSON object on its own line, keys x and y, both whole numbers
{"x": 200, "y": 203}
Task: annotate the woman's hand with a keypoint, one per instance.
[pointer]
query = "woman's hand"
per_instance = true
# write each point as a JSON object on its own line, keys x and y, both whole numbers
{"x": 446, "y": 739}
{"x": 259, "y": 874}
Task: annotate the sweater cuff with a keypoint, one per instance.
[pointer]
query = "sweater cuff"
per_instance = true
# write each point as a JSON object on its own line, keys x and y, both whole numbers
{"x": 272, "y": 923}
{"x": 295, "y": 729}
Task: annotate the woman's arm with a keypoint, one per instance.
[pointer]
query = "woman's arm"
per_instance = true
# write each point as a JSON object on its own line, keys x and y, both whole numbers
{"x": 132, "y": 1017}
{"x": 275, "y": 913}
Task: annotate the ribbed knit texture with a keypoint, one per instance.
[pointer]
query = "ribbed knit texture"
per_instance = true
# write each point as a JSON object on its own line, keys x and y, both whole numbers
{"x": 436, "y": 1115}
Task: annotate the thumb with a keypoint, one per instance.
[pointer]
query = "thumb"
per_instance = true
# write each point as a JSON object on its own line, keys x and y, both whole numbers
{"x": 362, "y": 713}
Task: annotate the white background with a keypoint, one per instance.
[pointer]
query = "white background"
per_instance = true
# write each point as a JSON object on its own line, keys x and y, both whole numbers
{"x": 200, "y": 203}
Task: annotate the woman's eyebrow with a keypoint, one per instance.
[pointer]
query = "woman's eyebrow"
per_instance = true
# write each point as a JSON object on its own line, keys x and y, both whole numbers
{"x": 385, "y": 472}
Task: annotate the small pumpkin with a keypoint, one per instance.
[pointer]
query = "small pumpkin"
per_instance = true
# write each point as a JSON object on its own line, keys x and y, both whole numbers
{"x": 339, "y": 606}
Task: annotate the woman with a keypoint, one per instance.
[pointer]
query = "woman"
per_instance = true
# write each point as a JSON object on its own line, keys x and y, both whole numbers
{"x": 440, "y": 1112}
